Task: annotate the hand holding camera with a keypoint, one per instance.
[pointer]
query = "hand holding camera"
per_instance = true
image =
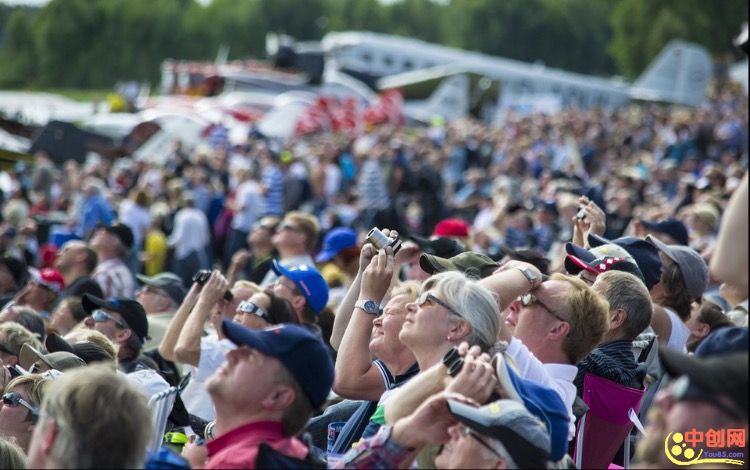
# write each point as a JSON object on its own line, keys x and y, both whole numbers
{"x": 211, "y": 283}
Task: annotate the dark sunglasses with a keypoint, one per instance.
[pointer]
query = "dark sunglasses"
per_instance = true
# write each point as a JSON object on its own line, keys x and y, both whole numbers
{"x": 14, "y": 399}
{"x": 100, "y": 316}
{"x": 252, "y": 308}
{"x": 427, "y": 297}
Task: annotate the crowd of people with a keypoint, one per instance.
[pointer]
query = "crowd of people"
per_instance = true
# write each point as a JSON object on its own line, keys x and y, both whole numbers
{"x": 531, "y": 270}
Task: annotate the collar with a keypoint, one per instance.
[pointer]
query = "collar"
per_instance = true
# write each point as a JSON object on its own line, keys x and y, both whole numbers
{"x": 260, "y": 431}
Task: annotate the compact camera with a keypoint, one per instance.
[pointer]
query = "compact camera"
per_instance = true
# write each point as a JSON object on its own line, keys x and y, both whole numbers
{"x": 581, "y": 214}
{"x": 380, "y": 241}
{"x": 201, "y": 277}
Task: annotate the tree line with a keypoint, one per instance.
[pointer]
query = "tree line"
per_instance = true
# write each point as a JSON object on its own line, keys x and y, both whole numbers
{"x": 94, "y": 43}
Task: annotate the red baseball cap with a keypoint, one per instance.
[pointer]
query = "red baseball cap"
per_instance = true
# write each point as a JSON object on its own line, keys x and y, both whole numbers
{"x": 451, "y": 228}
{"x": 49, "y": 278}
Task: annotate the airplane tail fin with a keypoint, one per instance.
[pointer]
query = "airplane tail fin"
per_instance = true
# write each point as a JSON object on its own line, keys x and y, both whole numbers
{"x": 678, "y": 75}
{"x": 449, "y": 100}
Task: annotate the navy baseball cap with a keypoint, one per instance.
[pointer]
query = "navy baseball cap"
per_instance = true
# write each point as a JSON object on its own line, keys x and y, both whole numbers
{"x": 302, "y": 352}
{"x": 542, "y": 402}
{"x": 336, "y": 240}
{"x": 726, "y": 340}
{"x": 132, "y": 312}
{"x": 645, "y": 254}
{"x": 672, "y": 227}
{"x": 308, "y": 280}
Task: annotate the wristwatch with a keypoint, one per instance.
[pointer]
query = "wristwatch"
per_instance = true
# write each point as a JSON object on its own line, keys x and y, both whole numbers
{"x": 530, "y": 276}
{"x": 369, "y": 306}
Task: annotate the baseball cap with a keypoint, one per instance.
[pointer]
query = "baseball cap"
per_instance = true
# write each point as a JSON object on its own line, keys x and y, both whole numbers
{"x": 672, "y": 227}
{"x": 49, "y": 278}
{"x": 86, "y": 350}
{"x": 522, "y": 434}
{"x": 308, "y": 280}
{"x": 451, "y": 228}
{"x": 132, "y": 312}
{"x": 543, "y": 402}
{"x": 16, "y": 267}
{"x": 302, "y": 352}
{"x": 468, "y": 263}
{"x": 716, "y": 375}
{"x": 336, "y": 240}
{"x": 600, "y": 259}
{"x": 644, "y": 253}
{"x": 527, "y": 255}
{"x": 439, "y": 246}
{"x": 122, "y": 232}
{"x": 692, "y": 265}
{"x": 60, "y": 360}
{"x": 728, "y": 340}
{"x": 168, "y": 282}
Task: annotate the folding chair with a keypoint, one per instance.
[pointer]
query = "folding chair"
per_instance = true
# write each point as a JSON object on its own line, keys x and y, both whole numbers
{"x": 607, "y": 424}
{"x": 160, "y": 406}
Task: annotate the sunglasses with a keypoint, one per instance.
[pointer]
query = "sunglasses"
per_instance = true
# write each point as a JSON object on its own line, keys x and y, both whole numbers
{"x": 14, "y": 399}
{"x": 468, "y": 432}
{"x": 100, "y": 316}
{"x": 250, "y": 307}
{"x": 427, "y": 297}
{"x": 530, "y": 299}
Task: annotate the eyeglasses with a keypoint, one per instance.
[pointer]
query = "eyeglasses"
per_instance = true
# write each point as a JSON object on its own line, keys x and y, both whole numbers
{"x": 250, "y": 307}
{"x": 100, "y": 316}
{"x": 531, "y": 299}
{"x": 285, "y": 226}
{"x": 468, "y": 432}
{"x": 291, "y": 288}
{"x": 14, "y": 399}
{"x": 427, "y": 297}
{"x": 685, "y": 389}
{"x": 153, "y": 290}
{"x": 38, "y": 368}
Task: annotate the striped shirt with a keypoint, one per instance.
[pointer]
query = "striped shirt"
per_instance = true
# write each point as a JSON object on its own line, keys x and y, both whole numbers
{"x": 273, "y": 181}
{"x": 115, "y": 279}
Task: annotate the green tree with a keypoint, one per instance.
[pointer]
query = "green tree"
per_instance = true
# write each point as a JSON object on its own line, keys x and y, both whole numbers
{"x": 641, "y": 28}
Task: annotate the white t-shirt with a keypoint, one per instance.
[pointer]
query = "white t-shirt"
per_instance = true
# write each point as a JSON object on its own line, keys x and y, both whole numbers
{"x": 679, "y": 334}
{"x": 195, "y": 397}
{"x": 249, "y": 205}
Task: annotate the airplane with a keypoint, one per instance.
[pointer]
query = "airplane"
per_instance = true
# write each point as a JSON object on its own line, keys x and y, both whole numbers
{"x": 427, "y": 72}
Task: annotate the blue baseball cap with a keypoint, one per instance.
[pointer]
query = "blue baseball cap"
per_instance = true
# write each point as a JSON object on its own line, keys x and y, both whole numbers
{"x": 672, "y": 227}
{"x": 728, "y": 340}
{"x": 542, "y": 402}
{"x": 302, "y": 352}
{"x": 308, "y": 280}
{"x": 645, "y": 254}
{"x": 336, "y": 240}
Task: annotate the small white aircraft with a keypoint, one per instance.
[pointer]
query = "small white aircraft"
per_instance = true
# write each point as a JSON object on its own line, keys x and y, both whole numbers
{"x": 451, "y": 81}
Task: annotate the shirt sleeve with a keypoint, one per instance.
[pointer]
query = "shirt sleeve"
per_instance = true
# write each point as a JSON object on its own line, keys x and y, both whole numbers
{"x": 378, "y": 451}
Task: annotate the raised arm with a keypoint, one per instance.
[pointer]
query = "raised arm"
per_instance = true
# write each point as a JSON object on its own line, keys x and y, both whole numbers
{"x": 512, "y": 279}
{"x": 729, "y": 262}
{"x": 188, "y": 348}
{"x": 346, "y": 307}
{"x": 167, "y": 345}
{"x": 357, "y": 377}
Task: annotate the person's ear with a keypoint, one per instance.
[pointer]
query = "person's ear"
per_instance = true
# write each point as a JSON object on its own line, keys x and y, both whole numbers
{"x": 561, "y": 330}
{"x": 280, "y": 398}
{"x": 617, "y": 319}
{"x": 459, "y": 329}
{"x": 49, "y": 436}
{"x": 701, "y": 330}
{"x": 298, "y": 302}
{"x": 123, "y": 335}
